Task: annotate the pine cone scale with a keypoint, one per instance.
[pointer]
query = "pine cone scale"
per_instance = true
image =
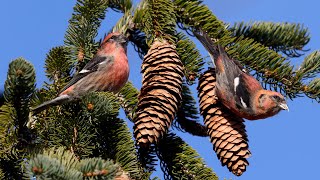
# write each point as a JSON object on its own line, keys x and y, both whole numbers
{"x": 160, "y": 95}
{"x": 227, "y": 132}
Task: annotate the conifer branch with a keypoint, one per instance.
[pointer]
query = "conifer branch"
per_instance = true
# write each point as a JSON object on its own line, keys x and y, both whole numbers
{"x": 61, "y": 164}
{"x": 312, "y": 90}
{"x": 128, "y": 97}
{"x": 180, "y": 161}
{"x": 19, "y": 87}
{"x": 310, "y": 66}
{"x": 120, "y": 5}
{"x": 157, "y": 20}
{"x": 288, "y": 38}
{"x": 190, "y": 57}
{"x": 7, "y": 135}
{"x": 137, "y": 36}
{"x": 187, "y": 115}
{"x": 57, "y": 64}
{"x": 83, "y": 28}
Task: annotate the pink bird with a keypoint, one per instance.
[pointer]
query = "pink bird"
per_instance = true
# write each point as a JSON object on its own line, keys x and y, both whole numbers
{"x": 238, "y": 90}
{"x": 107, "y": 71}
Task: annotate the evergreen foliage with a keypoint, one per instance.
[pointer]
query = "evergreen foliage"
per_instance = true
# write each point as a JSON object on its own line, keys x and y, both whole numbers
{"x": 157, "y": 19}
{"x": 190, "y": 57}
{"x": 287, "y": 38}
{"x": 57, "y": 64}
{"x": 88, "y": 140}
{"x": 83, "y": 28}
{"x": 180, "y": 161}
{"x": 61, "y": 164}
{"x": 188, "y": 114}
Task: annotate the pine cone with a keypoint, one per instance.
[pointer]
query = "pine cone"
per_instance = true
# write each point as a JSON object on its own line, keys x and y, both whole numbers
{"x": 160, "y": 95}
{"x": 226, "y": 130}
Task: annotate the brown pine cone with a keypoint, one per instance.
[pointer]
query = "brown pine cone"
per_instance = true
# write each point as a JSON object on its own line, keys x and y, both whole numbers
{"x": 160, "y": 95}
{"x": 226, "y": 130}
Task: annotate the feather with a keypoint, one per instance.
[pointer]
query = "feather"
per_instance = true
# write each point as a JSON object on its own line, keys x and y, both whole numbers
{"x": 56, "y": 101}
{"x": 89, "y": 68}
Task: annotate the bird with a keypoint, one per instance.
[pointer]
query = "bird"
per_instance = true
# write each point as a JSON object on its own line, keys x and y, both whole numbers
{"x": 108, "y": 70}
{"x": 239, "y": 91}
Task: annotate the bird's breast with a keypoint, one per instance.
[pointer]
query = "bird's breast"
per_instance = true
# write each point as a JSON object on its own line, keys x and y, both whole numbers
{"x": 121, "y": 75}
{"x": 110, "y": 78}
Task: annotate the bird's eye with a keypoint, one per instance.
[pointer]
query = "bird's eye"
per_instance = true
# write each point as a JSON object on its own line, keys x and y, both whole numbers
{"x": 277, "y": 98}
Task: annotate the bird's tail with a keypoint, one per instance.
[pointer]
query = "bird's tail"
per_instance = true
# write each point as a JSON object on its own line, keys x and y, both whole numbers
{"x": 214, "y": 49}
{"x": 56, "y": 101}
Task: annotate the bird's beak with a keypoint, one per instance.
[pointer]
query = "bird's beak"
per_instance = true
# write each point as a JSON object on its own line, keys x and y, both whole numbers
{"x": 284, "y": 106}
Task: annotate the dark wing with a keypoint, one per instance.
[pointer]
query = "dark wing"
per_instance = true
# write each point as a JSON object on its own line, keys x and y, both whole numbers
{"x": 242, "y": 93}
{"x": 236, "y": 80}
{"x": 90, "y": 67}
{"x": 247, "y": 86}
{"x": 243, "y": 69}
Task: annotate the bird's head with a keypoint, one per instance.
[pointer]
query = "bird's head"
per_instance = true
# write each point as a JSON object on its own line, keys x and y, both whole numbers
{"x": 115, "y": 39}
{"x": 271, "y": 102}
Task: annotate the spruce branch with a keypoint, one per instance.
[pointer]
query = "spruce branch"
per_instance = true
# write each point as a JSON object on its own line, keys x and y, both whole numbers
{"x": 128, "y": 97}
{"x": 120, "y": 5}
{"x": 113, "y": 139}
{"x": 7, "y": 135}
{"x": 57, "y": 64}
{"x": 1, "y": 174}
{"x": 312, "y": 90}
{"x": 148, "y": 158}
{"x": 288, "y": 38}
{"x": 190, "y": 57}
{"x": 310, "y": 66}
{"x": 137, "y": 36}
{"x": 157, "y": 20}
{"x": 83, "y": 28}
{"x": 19, "y": 87}
{"x": 11, "y": 165}
{"x": 124, "y": 24}
{"x": 58, "y": 163}
{"x": 187, "y": 115}
{"x": 126, "y": 154}
{"x": 138, "y": 39}
{"x": 180, "y": 161}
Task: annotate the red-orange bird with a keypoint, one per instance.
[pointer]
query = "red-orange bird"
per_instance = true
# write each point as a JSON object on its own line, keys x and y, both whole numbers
{"x": 107, "y": 71}
{"x": 238, "y": 90}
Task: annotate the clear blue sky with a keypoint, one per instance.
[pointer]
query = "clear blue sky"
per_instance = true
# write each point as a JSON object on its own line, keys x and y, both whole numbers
{"x": 283, "y": 147}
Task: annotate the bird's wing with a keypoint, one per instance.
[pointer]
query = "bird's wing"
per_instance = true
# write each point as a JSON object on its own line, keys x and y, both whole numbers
{"x": 242, "y": 93}
{"x": 92, "y": 66}
{"x": 247, "y": 85}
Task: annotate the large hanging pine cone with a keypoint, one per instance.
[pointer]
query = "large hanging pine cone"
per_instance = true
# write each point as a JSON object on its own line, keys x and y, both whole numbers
{"x": 227, "y": 131}
{"x": 160, "y": 94}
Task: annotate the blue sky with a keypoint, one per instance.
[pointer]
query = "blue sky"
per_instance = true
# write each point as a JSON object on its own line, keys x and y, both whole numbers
{"x": 283, "y": 147}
